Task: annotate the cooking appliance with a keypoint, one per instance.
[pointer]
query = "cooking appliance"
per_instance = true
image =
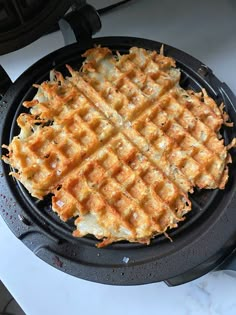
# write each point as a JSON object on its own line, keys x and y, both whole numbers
{"x": 201, "y": 243}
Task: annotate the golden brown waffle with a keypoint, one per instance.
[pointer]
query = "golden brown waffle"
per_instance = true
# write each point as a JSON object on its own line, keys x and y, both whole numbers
{"x": 120, "y": 145}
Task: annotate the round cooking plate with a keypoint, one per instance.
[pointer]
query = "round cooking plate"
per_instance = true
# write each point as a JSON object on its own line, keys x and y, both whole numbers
{"x": 204, "y": 236}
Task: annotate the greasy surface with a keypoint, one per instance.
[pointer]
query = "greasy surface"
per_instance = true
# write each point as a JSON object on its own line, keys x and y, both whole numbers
{"x": 120, "y": 144}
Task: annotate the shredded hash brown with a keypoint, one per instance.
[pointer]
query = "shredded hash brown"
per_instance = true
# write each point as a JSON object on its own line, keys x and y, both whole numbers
{"x": 120, "y": 145}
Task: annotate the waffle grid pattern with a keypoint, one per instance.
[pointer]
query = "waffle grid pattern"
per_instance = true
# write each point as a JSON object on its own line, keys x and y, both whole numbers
{"x": 120, "y": 145}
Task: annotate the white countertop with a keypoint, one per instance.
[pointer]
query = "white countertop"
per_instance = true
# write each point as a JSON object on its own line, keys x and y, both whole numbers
{"x": 205, "y": 30}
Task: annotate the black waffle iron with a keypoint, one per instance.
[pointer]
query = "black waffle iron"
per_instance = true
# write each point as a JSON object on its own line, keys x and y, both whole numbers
{"x": 204, "y": 241}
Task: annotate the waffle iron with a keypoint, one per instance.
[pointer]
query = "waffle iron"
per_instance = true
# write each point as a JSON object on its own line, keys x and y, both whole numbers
{"x": 205, "y": 241}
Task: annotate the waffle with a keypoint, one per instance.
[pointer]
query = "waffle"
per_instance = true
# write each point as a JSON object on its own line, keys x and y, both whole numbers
{"x": 120, "y": 145}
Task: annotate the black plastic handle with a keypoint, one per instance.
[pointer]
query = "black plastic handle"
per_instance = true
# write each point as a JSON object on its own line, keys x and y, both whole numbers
{"x": 5, "y": 82}
{"x": 215, "y": 263}
{"x": 80, "y": 24}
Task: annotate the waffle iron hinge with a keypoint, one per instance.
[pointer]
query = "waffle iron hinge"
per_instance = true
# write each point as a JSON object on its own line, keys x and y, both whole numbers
{"x": 80, "y": 24}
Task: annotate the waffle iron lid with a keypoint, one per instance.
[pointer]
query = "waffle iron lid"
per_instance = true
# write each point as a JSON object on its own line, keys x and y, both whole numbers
{"x": 24, "y": 21}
